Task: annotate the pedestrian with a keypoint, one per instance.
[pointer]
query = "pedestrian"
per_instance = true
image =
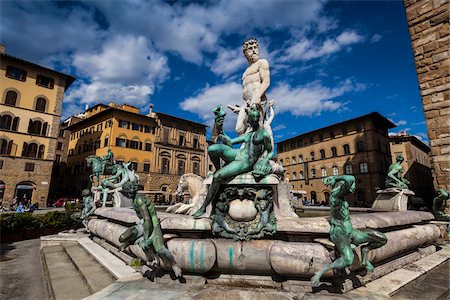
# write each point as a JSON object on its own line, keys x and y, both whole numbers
{"x": 20, "y": 208}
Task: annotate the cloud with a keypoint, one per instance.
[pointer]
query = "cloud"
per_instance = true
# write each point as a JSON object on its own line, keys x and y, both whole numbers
{"x": 209, "y": 97}
{"x": 375, "y": 38}
{"x": 228, "y": 61}
{"x": 398, "y": 123}
{"x": 306, "y": 49}
{"x": 279, "y": 127}
{"x": 310, "y": 99}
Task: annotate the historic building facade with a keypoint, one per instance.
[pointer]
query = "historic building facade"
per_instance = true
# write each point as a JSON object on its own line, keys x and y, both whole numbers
{"x": 416, "y": 166}
{"x": 30, "y": 112}
{"x": 161, "y": 147}
{"x": 359, "y": 147}
{"x": 430, "y": 37}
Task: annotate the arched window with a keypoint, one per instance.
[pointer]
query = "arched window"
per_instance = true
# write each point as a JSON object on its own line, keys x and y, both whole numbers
{"x": 294, "y": 161}
{"x": 300, "y": 158}
{"x": 335, "y": 171}
{"x": 181, "y": 166}
{"x": 44, "y": 129}
{"x": 346, "y": 149}
{"x": 11, "y": 98}
{"x": 4, "y": 147}
{"x": 313, "y": 172}
{"x": 15, "y": 124}
{"x": 165, "y": 162}
{"x": 30, "y": 150}
{"x": 35, "y": 127}
{"x": 294, "y": 175}
{"x": 324, "y": 172}
{"x": 281, "y": 162}
{"x": 302, "y": 175}
{"x": 348, "y": 169}
{"x": 363, "y": 167}
{"x": 41, "y": 103}
{"x": 327, "y": 197}
{"x": 41, "y": 151}
{"x": 322, "y": 154}
{"x": 196, "y": 165}
{"x": 312, "y": 155}
{"x": 334, "y": 151}
{"x": 5, "y": 122}
{"x": 360, "y": 146}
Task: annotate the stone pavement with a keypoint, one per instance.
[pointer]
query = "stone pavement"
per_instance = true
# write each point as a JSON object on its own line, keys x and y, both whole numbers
{"x": 21, "y": 274}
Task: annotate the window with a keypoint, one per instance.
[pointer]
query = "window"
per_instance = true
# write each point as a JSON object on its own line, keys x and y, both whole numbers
{"x": 100, "y": 127}
{"x": 5, "y": 147}
{"x": 166, "y": 132}
{"x": 121, "y": 142}
{"x": 134, "y": 166}
{"x": 35, "y": 127}
{"x": 312, "y": 155}
{"x": 45, "y": 81}
{"x": 148, "y": 147}
{"x": 97, "y": 144}
{"x": 58, "y": 158}
{"x": 30, "y": 150}
{"x": 29, "y": 167}
{"x": 363, "y": 167}
{"x": 302, "y": 175}
{"x": 11, "y": 98}
{"x": 195, "y": 142}
{"x": 123, "y": 124}
{"x": 294, "y": 160}
{"x": 313, "y": 173}
{"x": 105, "y": 144}
{"x": 314, "y": 197}
{"x": 333, "y": 151}
{"x": 181, "y": 166}
{"x": 59, "y": 146}
{"x": 324, "y": 172}
{"x": 135, "y": 127}
{"x": 196, "y": 168}
{"x": 322, "y": 154}
{"x": 348, "y": 169}
{"x": 292, "y": 145}
{"x": 332, "y": 134}
{"x": 360, "y": 146}
{"x": 135, "y": 145}
{"x": 300, "y": 158}
{"x": 5, "y": 122}
{"x": 165, "y": 165}
{"x": 181, "y": 139}
{"x": 294, "y": 175}
{"x": 147, "y": 168}
{"x": 70, "y": 152}
{"x": 335, "y": 171}
{"x": 16, "y": 73}
{"x": 40, "y": 104}
{"x": 346, "y": 149}
{"x": 147, "y": 129}
{"x": 321, "y": 137}
{"x": 108, "y": 123}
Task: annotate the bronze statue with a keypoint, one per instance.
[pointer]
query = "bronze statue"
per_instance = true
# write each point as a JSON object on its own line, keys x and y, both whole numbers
{"x": 394, "y": 177}
{"x": 342, "y": 233}
{"x": 147, "y": 233}
{"x": 101, "y": 166}
{"x": 439, "y": 205}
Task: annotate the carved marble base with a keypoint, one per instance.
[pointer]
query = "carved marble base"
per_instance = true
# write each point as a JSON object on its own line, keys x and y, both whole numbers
{"x": 392, "y": 199}
{"x": 119, "y": 200}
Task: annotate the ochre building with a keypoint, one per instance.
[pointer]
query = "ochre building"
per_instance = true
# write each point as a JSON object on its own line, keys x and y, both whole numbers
{"x": 30, "y": 113}
{"x": 161, "y": 147}
{"x": 429, "y": 28}
{"x": 359, "y": 147}
{"x": 416, "y": 166}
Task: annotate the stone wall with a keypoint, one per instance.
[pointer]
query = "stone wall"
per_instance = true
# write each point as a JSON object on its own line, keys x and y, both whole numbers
{"x": 430, "y": 36}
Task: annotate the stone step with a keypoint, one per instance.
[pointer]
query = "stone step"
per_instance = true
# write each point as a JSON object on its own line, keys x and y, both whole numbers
{"x": 95, "y": 275}
{"x": 65, "y": 281}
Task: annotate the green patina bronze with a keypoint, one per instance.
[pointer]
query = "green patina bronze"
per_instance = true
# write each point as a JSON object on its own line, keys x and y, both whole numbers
{"x": 263, "y": 224}
{"x": 342, "y": 233}
{"x": 440, "y": 204}
{"x": 101, "y": 166}
{"x": 147, "y": 233}
{"x": 394, "y": 177}
{"x": 239, "y": 161}
{"x": 88, "y": 209}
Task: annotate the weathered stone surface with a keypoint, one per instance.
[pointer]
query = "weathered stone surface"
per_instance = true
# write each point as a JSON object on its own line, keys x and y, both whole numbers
{"x": 243, "y": 257}
{"x": 193, "y": 255}
{"x": 392, "y": 199}
{"x": 298, "y": 259}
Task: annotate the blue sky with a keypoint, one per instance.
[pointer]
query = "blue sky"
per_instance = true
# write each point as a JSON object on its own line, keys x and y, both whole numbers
{"x": 329, "y": 60}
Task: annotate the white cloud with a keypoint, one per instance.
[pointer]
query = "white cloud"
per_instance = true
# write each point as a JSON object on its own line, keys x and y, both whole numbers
{"x": 375, "y": 38}
{"x": 279, "y": 127}
{"x": 310, "y": 99}
{"x": 100, "y": 92}
{"x": 398, "y": 123}
{"x": 306, "y": 49}
{"x": 209, "y": 97}
{"x": 123, "y": 59}
{"x": 228, "y": 62}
